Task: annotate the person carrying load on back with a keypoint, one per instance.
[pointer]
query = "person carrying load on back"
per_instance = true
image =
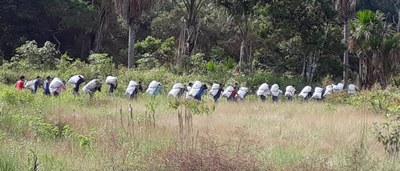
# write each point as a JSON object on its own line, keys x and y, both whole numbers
{"x": 306, "y": 92}
{"x": 20, "y": 83}
{"x": 33, "y": 85}
{"x": 275, "y": 91}
{"x": 232, "y": 97}
{"x": 91, "y": 87}
{"x": 352, "y": 89}
{"x": 200, "y": 93}
{"x": 263, "y": 92}
{"x": 177, "y": 90}
{"x": 228, "y": 92}
{"x": 56, "y": 86}
{"x": 318, "y": 92}
{"x": 216, "y": 91}
{"x": 188, "y": 89}
{"x": 328, "y": 90}
{"x": 154, "y": 88}
{"x": 289, "y": 93}
{"x": 132, "y": 90}
{"x": 76, "y": 81}
{"x": 113, "y": 83}
{"x": 46, "y": 86}
{"x": 196, "y": 88}
{"x": 241, "y": 94}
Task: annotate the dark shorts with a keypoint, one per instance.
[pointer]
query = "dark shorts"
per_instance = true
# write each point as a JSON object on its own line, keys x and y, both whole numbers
{"x": 263, "y": 98}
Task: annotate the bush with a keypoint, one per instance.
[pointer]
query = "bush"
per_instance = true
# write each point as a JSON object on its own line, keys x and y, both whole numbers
{"x": 29, "y": 55}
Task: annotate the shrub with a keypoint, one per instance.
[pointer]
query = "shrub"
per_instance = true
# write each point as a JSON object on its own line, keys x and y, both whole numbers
{"x": 36, "y": 57}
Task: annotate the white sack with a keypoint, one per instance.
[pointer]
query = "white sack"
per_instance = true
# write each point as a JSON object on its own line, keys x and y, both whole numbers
{"x": 195, "y": 89}
{"x": 112, "y": 80}
{"x": 176, "y": 89}
{"x": 317, "y": 93}
{"x": 55, "y": 84}
{"x": 242, "y": 92}
{"x": 89, "y": 87}
{"x": 153, "y": 87}
{"x": 306, "y": 90}
{"x": 263, "y": 90}
{"x": 228, "y": 91}
{"x": 290, "y": 90}
{"x": 74, "y": 79}
{"x": 214, "y": 89}
{"x": 275, "y": 90}
{"x": 328, "y": 90}
{"x": 30, "y": 84}
{"x": 340, "y": 87}
{"x": 352, "y": 89}
{"x": 131, "y": 87}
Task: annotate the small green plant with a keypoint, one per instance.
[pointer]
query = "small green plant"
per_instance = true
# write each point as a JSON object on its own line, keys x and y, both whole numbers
{"x": 388, "y": 133}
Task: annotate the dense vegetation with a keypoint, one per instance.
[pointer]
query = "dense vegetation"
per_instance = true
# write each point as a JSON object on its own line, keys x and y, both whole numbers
{"x": 301, "y": 39}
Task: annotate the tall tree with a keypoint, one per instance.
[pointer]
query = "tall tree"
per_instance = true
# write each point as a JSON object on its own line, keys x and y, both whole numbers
{"x": 130, "y": 10}
{"x": 377, "y": 46}
{"x": 191, "y": 9}
{"x": 346, "y": 10}
{"x": 241, "y": 11}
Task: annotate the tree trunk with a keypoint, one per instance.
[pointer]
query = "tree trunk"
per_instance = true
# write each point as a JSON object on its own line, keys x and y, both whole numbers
{"x": 242, "y": 55}
{"x": 398, "y": 21}
{"x": 346, "y": 33}
{"x": 131, "y": 46}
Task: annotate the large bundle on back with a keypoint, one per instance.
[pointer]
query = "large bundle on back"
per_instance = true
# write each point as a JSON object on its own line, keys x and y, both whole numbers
{"x": 275, "y": 90}
{"x": 56, "y": 84}
{"x": 290, "y": 90}
{"x": 304, "y": 93}
{"x": 317, "y": 93}
{"x": 195, "y": 88}
{"x": 352, "y": 89}
{"x": 74, "y": 79}
{"x": 214, "y": 89}
{"x": 340, "y": 87}
{"x": 328, "y": 90}
{"x": 263, "y": 90}
{"x": 242, "y": 92}
{"x": 91, "y": 87}
{"x": 30, "y": 84}
{"x": 112, "y": 80}
{"x": 154, "y": 88}
{"x": 177, "y": 90}
{"x": 131, "y": 87}
{"x": 228, "y": 91}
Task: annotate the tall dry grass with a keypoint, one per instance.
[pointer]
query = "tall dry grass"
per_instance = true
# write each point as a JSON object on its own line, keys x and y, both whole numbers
{"x": 237, "y": 136}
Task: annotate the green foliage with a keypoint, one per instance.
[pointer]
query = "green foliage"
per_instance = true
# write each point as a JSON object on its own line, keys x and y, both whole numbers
{"x": 101, "y": 64}
{"x": 388, "y": 132}
{"x": 12, "y": 97}
{"x": 29, "y": 55}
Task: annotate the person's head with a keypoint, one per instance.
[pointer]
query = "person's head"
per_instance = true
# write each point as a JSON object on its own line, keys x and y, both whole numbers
{"x": 48, "y": 78}
{"x": 38, "y": 77}
{"x": 140, "y": 83}
{"x": 22, "y": 78}
{"x": 236, "y": 84}
{"x": 190, "y": 84}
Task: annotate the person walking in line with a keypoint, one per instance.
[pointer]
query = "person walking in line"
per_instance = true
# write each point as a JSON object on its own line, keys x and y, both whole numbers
{"x": 263, "y": 92}
{"x": 275, "y": 91}
{"x": 91, "y": 87}
{"x": 20, "y": 83}
{"x": 33, "y": 85}
{"x": 113, "y": 83}
{"x": 188, "y": 89}
{"x": 76, "y": 81}
{"x": 57, "y": 86}
{"x": 46, "y": 86}
{"x": 216, "y": 91}
{"x": 289, "y": 93}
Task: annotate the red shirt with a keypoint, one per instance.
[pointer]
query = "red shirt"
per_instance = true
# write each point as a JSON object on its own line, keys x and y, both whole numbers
{"x": 20, "y": 85}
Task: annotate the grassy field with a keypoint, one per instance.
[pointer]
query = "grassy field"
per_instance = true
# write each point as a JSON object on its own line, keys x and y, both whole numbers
{"x": 67, "y": 133}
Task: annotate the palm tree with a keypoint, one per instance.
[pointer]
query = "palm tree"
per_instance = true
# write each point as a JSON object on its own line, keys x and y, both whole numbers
{"x": 130, "y": 10}
{"x": 346, "y": 10}
{"x": 377, "y": 46}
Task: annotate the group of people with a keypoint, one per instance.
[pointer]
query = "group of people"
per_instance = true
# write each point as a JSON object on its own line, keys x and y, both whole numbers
{"x": 54, "y": 86}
